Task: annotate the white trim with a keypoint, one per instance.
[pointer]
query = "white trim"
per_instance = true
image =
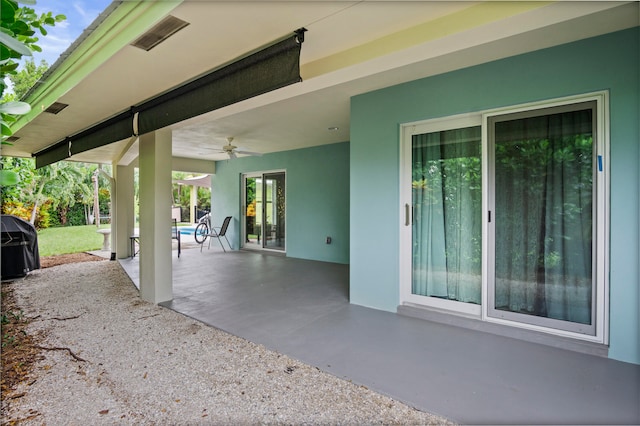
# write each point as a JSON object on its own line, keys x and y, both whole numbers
{"x": 487, "y": 197}
{"x": 444, "y": 123}
{"x": 404, "y": 228}
{"x": 603, "y": 185}
{"x": 451, "y": 306}
{"x": 550, "y": 103}
{"x": 548, "y": 330}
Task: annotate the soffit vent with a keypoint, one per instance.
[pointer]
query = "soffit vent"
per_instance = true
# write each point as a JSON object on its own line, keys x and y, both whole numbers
{"x": 159, "y": 33}
{"x": 12, "y": 139}
{"x": 56, "y": 107}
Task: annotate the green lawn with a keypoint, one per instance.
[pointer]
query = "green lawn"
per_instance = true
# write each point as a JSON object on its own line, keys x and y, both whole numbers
{"x": 69, "y": 239}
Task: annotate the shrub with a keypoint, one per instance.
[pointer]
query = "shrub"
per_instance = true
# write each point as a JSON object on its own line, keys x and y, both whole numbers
{"x": 16, "y": 208}
{"x": 75, "y": 215}
{"x": 43, "y": 214}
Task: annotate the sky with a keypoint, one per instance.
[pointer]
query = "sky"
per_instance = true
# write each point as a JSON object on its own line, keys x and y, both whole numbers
{"x": 80, "y": 14}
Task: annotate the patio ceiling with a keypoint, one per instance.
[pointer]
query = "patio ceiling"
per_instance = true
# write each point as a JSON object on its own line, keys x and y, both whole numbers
{"x": 350, "y": 48}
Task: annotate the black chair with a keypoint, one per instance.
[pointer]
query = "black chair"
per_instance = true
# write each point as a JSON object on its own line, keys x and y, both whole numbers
{"x": 175, "y": 234}
{"x": 219, "y": 232}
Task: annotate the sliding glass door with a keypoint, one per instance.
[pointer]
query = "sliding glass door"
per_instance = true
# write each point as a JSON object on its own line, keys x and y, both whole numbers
{"x": 264, "y": 208}
{"x": 446, "y": 210}
{"x": 542, "y": 199}
{"x": 504, "y": 216}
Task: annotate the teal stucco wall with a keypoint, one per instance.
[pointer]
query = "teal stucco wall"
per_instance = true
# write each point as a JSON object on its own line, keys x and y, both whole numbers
{"x": 317, "y": 198}
{"x": 607, "y": 62}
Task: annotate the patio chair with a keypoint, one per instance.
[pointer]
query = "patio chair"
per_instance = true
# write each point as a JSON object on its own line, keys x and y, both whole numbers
{"x": 219, "y": 232}
{"x": 175, "y": 234}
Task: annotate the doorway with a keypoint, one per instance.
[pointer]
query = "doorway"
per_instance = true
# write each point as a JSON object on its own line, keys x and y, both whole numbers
{"x": 264, "y": 210}
{"x": 504, "y": 216}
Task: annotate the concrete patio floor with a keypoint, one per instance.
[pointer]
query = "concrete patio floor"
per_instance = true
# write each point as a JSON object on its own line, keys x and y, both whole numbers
{"x": 301, "y": 308}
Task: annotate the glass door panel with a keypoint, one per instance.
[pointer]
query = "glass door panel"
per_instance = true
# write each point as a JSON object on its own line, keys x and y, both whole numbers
{"x": 543, "y": 171}
{"x": 264, "y": 211}
{"x": 253, "y": 214}
{"x": 274, "y": 211}
{"x": 446, "y": 186}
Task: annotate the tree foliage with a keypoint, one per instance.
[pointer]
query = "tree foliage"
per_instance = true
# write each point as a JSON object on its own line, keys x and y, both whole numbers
{"x": 18, "y": 38}
{"x": 18, "y": 35}
{"x": 47, "y": 195}
{"x": 26, "y": 78}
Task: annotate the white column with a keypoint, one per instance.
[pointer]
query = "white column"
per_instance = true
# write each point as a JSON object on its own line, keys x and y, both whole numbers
{"x": 112, "y": 211}
{"x": 123, "y": 213}
{"x": 155, "y": 216}
{"x": 193, "y": 201}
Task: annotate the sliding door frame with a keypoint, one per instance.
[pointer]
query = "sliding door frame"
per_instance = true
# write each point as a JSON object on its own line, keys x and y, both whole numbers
{"x": 406, "y": 226}
{"x": 601, "y": 179}
{"x": 601, "y": 213}
{"x": 243, "y": 209}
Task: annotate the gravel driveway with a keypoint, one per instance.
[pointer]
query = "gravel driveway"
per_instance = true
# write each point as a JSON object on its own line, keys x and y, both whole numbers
{"x": 144, "y": 364}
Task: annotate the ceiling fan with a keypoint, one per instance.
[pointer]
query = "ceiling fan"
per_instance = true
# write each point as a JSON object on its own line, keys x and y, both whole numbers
{"x": 232, "y": 150}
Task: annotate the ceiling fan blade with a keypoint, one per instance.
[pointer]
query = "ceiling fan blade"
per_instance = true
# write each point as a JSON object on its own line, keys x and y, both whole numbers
{"x": 213, "y": 148}
{"x": 257, "y": 154}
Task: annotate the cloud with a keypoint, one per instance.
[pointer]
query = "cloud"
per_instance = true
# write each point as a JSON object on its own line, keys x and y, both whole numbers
{"x": 55, "y": 43}
{"x": 52, "y": 47}
{"x": 80, "y": 14}
{"x": 87, "y": 14}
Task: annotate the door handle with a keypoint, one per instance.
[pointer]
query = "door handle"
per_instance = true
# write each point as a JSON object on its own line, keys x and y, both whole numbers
{"x": 407, "y": 215}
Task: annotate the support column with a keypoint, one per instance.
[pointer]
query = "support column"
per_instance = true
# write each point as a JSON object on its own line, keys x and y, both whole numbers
{"x": 123, "y": 213}
{"x": 112, "y": 211}
{"x": 193, "y": 204}
{"x": 155, "y": 216}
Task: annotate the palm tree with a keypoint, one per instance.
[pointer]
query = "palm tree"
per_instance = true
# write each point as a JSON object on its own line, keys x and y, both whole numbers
{"x": 60, "y": 179}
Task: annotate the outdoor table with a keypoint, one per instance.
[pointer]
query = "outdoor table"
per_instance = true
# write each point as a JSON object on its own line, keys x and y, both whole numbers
{"x": 134, "y": 239}
{"x": 106, "y": 233}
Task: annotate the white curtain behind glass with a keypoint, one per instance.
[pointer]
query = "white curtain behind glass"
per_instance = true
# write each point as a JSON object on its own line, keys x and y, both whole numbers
{"x": 447, "y": 233}
{"x": 543, "y": 216}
